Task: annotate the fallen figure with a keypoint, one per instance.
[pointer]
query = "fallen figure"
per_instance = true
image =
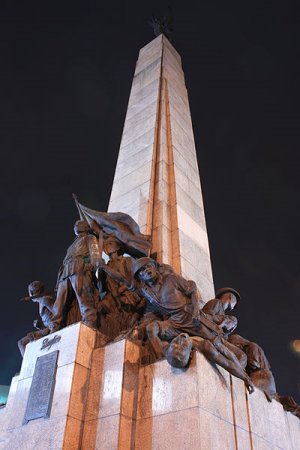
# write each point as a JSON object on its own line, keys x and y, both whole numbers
{"x": 258, "y": 367}
{"x": 175, "y": 299}
{"x": 178, "y": 354}
{"x": 259, "y": 370}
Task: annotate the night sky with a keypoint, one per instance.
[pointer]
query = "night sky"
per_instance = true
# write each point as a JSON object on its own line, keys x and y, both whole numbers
{"x": 66, "y": 70}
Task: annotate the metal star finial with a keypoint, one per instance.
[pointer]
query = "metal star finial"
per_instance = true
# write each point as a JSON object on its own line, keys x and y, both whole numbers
{"x": 163, "y": 24}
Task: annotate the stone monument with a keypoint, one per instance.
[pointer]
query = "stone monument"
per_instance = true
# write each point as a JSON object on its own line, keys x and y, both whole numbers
{"x": 74, "y": 392}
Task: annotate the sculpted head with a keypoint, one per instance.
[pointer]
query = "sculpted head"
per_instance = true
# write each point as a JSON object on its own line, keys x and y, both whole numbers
{"x": 113, "y": 245}
{"x": 81, "y": 227}
{"x": 229, "y": 297}
{"x": 145, "y": 269}
{"x": 36, "y": 288}
{"x": 179, "y": 351}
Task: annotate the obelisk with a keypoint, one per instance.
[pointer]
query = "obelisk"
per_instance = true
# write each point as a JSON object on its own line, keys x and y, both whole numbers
{"x": 103, "y": 398}
{"x": 157, "y": 182}
{"x": 157, "y": 179}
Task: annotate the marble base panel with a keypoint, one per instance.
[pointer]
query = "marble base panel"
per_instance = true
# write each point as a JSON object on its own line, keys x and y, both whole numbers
{"x": 268, "y": 422}
{"x": 294, "y": 428}
{"x": 188, "y": 429}
{"x": 63, "y": 428}
{"x": 58, "y": 433}
{"x": 206, "y": 408}
{"x": 184, "y": 409}
{"x": 112, "y": 398}
{"x": 102, "y": 433}
{"x": 110, "y": 402}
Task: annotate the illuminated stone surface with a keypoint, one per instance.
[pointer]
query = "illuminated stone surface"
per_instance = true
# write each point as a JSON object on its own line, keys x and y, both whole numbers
{"x": 64, "y": 427}
{"x": 103, "y": 399}
{"x": 157, "y": 179}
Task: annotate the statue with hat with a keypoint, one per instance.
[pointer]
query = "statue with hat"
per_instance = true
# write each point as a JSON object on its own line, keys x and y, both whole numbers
{"x": 168, "y": 293}
{"x": 76, "y": 278}
{"x": 44, "y": 326}
{"x": 226, "y": 299}
{"x": 257, "y": 366}
{"x": 174, "y": 298}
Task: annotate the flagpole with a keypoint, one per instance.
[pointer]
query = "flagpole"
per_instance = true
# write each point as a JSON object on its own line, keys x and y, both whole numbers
{"x": 81, "y": 213}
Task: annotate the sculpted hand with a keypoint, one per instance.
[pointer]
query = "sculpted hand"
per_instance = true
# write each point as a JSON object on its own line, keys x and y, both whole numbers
{"x": 196, "y": 321}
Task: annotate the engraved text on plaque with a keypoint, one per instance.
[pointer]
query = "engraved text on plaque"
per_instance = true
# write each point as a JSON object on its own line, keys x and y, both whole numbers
{"x": 42, "y": 387}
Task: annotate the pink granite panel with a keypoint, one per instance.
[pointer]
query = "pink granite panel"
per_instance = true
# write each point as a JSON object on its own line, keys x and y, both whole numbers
{"x": 160, "y": 389}
{"x": 106, "y": 379}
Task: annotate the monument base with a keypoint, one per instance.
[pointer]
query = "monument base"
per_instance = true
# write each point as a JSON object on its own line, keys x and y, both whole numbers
{"x": 62, "y": 429}
{"x": 103, "y": 399}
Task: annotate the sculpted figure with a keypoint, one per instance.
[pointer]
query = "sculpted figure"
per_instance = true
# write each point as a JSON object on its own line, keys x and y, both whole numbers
{"x": 76, "y": 277}
{"x": 127, "y": 300}
{"x": 258, "y": 367}
{"x": 226, "y": 299}
{"x": 175, "y": 299}
{"x": 44, "y": 326}
{"x": 121, "y": 308}
{"x": 169, "y": 294}
{"x": 178, "y": 353}
{"x": 259, "y": 371}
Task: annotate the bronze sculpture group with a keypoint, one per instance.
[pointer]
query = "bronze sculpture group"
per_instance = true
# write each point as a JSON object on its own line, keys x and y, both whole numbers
{"x": 131, "y": 295}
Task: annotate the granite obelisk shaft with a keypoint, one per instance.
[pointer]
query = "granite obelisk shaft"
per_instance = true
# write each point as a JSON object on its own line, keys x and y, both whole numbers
{"x": 157, "y": 179}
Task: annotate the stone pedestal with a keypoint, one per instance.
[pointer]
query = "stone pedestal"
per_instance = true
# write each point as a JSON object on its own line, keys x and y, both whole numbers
{"x": 94, "y": 400}
{"x": 103, "y": 399}
{"x": 181, "y": 408}
{"x": 205, "y": 408}
{"x": 64, "y": 426}
{"x": 111, "y": 403}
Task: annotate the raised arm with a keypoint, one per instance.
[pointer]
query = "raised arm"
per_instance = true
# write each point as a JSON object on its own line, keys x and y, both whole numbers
{"x": 116, "y": 276}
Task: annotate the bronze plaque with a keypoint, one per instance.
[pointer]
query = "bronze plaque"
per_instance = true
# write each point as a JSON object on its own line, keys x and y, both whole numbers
{"x": 42, "y": 387}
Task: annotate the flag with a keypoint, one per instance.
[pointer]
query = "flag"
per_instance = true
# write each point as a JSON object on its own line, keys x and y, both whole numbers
{"x": 120, "y": 225}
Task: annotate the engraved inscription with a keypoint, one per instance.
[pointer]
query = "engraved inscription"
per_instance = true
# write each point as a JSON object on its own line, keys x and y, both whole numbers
{"x": 47, "y": 343}
{"x": 42, "y": 387}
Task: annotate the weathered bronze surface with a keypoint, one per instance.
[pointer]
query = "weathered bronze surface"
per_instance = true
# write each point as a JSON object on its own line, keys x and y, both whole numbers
{"x": 258, "y": 367}
{"x": 119, "y": 309}
{"x": 76, "y": 278}
{"x": 215, "y": 309}
{"x": 42, "y": 387}
{"x": 133, "y": 296}
{"x": 43, "y": 325}
{"x": 119, "y": 225}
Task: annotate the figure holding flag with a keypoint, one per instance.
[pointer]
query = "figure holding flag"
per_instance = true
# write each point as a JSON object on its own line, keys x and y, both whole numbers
{"x": 77, "y": 276}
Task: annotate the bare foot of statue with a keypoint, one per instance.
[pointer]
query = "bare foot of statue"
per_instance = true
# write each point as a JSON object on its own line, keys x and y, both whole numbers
{"x": 249, "y": 386}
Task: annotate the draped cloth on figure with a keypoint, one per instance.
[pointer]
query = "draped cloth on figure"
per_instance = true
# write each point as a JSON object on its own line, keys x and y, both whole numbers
{"x": 120, "y": 225}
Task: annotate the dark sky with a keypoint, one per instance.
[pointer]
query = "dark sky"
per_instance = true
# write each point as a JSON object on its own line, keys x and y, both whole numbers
{"x": 66, "y": 70}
